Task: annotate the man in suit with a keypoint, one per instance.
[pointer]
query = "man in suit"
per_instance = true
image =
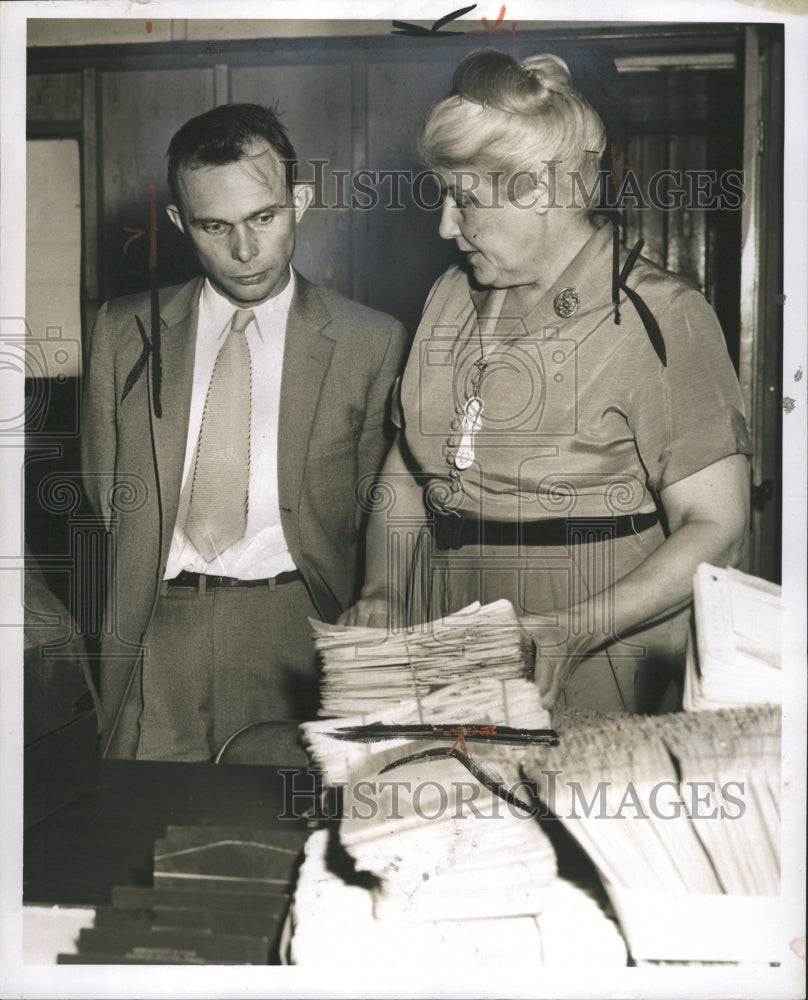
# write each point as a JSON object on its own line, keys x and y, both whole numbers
{"x": 224, "y": 445}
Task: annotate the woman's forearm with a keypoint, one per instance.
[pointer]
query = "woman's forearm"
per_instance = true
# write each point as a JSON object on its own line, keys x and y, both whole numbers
{"x": 394, "y": 526}
{"x": 661, "y": 585}
{"x": 708, "y": 516}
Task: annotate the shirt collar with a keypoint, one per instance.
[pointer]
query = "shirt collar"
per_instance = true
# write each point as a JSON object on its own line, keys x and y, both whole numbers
{"x": 218, "y": 311}
{"x": 588, "y": 274}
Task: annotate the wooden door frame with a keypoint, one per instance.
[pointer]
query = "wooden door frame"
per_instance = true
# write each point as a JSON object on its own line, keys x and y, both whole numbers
{"x": 761, "y": 313}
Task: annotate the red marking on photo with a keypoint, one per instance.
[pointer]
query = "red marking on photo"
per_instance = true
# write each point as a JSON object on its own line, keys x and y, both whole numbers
{"x": 491, "y": 29}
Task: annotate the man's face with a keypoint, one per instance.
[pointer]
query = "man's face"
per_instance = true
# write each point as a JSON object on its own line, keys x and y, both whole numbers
{"x": 241, "y": 220}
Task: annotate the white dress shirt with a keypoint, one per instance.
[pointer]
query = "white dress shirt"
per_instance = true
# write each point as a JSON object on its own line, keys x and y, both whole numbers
{"x": 262, "y": 552}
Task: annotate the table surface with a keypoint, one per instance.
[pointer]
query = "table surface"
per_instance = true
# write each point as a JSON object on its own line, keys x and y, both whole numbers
{"x": 106, "y": 838}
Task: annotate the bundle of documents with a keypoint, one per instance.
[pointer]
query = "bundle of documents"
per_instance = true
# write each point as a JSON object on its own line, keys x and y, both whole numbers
{"x": 735, "y": 657}
{"x": 681, "y": 816}
{"x": 368, "y": 669}
{"x": 677, "y": 803}
{"x": 426, "y": 741}
{"x": 332, "y": 921}
{"x": 442, "y": 846}
{"x": 513, "y": 702}
{"x": 683, "y": 802}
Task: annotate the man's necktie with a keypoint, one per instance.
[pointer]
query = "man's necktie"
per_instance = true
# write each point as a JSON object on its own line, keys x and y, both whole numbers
{"x": 220, "y": 476}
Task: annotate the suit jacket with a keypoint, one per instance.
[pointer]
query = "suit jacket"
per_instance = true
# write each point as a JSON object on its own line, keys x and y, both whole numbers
{"x": 340, "y": 360}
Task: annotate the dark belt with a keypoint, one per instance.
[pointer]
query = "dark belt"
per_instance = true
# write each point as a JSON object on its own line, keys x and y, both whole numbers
{"x": 453, "y": 532}
{"x": 205, "y": 581}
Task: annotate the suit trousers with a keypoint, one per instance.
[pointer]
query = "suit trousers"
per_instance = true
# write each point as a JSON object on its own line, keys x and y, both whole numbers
{"x": 218, "y": 661}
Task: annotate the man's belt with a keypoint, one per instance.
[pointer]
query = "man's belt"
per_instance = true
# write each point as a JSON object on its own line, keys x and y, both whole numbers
{"x": 205, "y": 581}
{"x": 452, "y": 531}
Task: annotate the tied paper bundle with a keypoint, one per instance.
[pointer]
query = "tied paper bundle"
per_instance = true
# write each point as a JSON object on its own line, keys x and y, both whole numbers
{"x": 735, "y": 656}
{"x": 366, "y": 670}
{"x": 427, "y": 745}
{"x": 678, "y": 803}
{"x": 477, "y": 702}
{"x": 442, "y": 846}
{"x": 332, "y": 921}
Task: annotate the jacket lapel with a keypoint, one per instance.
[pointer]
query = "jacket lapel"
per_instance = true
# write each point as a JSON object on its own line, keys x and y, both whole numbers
{"x": 307, "y": 355}
{"x": 178, "y": 348}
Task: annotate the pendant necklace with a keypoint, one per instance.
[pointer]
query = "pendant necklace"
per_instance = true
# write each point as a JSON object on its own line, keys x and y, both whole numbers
{"x": 472, "y": 409}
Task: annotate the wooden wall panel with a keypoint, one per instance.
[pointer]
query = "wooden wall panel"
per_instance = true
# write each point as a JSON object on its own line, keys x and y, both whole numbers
{"x": 140, "y": 111}
{"x": 687, "y": 121}
{"x": 404, "y": 239}
{"x": 686, "y": 252}
{"x": 644, "y": 156}
{"x": 315, "y": 103}
{"x": 54, "y": 97}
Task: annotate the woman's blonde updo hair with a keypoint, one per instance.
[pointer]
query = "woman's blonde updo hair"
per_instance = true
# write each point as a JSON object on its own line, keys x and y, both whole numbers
{"x": 503, "y": 115}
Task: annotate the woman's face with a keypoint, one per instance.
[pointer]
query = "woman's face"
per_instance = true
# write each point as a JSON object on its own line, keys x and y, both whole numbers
{"x": 495, "y": 222}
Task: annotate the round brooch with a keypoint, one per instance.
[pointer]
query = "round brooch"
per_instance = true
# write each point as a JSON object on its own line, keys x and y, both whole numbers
{"x": 566, "y": 302}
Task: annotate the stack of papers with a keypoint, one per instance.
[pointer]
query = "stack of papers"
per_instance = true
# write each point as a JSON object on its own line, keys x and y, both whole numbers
{"x": 333, "y": 921}
{"x": 672, "y": 803}
{"x": 681, "y": 815}
{"x": 434, "y": 820}
{"x": 735, "y": 658}
{"x": 481, "y": 701}
{"x": 443, "y": 847}
{"x": 368, "y": 669}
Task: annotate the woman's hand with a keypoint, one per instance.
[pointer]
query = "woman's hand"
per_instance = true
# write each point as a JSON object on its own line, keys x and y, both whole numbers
{"x": 376, "y": 610}
{"x": 558, "y": 653}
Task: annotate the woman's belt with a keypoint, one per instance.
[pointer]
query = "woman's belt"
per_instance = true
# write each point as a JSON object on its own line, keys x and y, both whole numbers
{"x": 452, "y": 531}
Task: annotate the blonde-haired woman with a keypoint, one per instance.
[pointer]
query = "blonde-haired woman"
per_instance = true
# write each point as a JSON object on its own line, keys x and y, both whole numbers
{"x": 571, "y": 434}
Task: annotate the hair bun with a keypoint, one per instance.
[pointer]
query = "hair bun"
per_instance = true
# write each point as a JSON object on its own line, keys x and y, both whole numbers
{"x": 495, "y": 80}
{"x": 513, "y": 116}
{"x": 550, "y": 71}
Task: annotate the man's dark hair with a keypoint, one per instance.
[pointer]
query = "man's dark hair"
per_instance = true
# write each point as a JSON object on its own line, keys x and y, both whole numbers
{"x": 219, "y": 136}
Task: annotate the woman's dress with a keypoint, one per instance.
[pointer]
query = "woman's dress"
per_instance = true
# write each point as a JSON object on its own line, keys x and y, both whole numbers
{"x": 581, "y": 420}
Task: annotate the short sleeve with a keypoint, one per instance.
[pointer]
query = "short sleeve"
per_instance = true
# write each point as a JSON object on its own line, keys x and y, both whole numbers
{"x": 690, "y": 414}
